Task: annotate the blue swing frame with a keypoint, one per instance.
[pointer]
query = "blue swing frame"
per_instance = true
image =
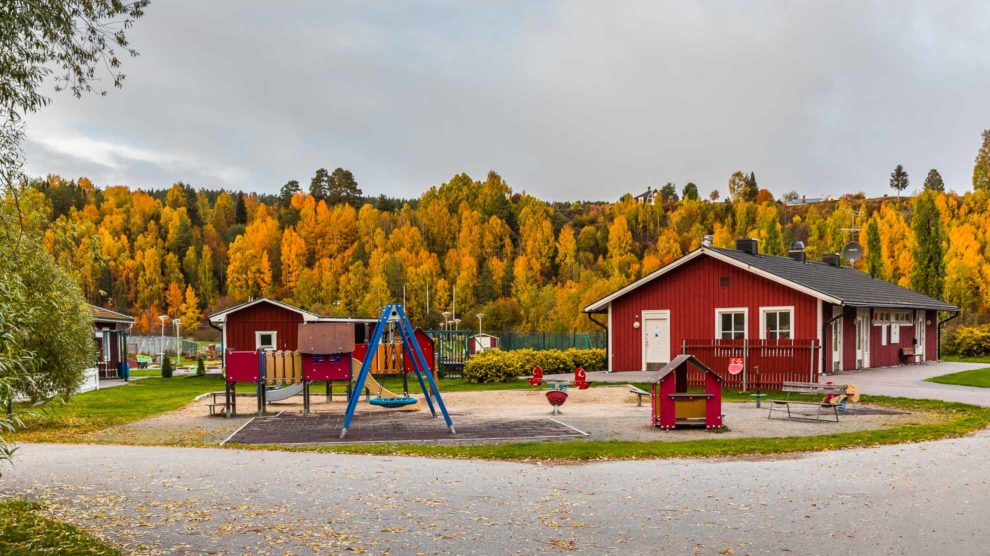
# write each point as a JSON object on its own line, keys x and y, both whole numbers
{"x": 393, "y": 312}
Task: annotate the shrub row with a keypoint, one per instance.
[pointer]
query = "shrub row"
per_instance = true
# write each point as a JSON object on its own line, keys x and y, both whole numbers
{"x": 505, "y": 366}
{"x": 968, "y": 340}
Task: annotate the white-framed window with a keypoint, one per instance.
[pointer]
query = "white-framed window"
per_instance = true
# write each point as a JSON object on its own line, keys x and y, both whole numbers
{"x": 777, "y": 323}
{"x": 731, "y": 323}
{"x": 885, "y": 317}
{"x": 265, "y": 339}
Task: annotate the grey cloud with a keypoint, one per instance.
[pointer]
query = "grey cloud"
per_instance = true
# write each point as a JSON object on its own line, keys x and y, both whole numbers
{"x": 570, "y": 100}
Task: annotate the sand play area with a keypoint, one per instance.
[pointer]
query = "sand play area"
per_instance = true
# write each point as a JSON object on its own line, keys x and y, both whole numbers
{"x": 601, "y": 413}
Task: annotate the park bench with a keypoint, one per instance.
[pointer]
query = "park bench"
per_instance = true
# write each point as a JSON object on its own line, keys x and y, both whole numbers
{"x": 908, "y": 352}
{"x": 218, "y": 407}
{"x": 808, "y": 388}
{"x": 639, "y": 394}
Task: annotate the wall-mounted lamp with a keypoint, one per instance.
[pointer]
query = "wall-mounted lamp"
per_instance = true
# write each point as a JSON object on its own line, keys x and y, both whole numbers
{"x": 636, "y": 324}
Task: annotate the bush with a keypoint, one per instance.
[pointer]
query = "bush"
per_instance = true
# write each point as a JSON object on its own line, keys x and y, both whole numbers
{"x": 200, "y": 366}
{"x": 968, "y": 341}
{"x": 167, "y": 368}
{"x": 505, "y": 366}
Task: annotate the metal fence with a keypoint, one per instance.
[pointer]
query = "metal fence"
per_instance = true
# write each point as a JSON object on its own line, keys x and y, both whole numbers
{"x": 152, "y": 345}
{"x": 552, "y": 340}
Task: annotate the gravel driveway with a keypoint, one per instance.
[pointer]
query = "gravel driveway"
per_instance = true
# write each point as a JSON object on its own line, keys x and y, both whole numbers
{"x": 889, "y": 500}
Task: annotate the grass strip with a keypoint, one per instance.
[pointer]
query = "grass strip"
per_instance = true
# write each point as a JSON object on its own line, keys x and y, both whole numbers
{"x": 102, "y": 409}
{"x": 25, "y": 531}
{"x": 977, "y": 377}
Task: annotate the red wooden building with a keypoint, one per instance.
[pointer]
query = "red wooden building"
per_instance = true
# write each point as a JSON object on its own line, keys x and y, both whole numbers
{"x": 110, "y": 330}
{"x": 791, "y": 317}
{"x": 268, "y": 324}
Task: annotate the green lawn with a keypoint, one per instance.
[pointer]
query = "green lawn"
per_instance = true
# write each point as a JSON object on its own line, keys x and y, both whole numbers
{"x": 968, "y": 358}
{"x": 25, "y": 531}
{"x": 101, "y": 409}
{"x": 977, "y": 377}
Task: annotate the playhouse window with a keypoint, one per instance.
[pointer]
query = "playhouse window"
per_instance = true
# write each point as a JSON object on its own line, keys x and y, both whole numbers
{"x": 776, "y": 323}
{"x": 265, "y": 339}
{"x": 730, "y": 324}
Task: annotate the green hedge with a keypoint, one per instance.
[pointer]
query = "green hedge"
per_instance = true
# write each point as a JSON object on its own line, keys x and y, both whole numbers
{"x": 505, "y": 366}
{"x": 968, "y": 340}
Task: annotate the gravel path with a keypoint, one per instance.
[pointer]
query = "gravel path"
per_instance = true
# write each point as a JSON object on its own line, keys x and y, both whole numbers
{"x": 889, "y": 500}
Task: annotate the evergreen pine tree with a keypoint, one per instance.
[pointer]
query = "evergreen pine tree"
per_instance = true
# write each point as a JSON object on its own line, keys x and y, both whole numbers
{"x": 899, "y": 179}
{"x": 290, "y": 188}
{"x": 690, "y": 191}
{"x": 981, "y": 170}
{"x": 200, "y": 366}
{"x": 874, "y": 251}
{"x": 342, "y": 187}
{"x": 319, "y": 186}
{"x": 933, "y": 182}
{"x": 928, "y": 270}
{"x": 167, "y": 367}
{"x": 240, "y": 210}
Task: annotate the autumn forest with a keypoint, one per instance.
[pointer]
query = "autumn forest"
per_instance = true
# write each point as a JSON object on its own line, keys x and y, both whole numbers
{"x": 528, "y": 265}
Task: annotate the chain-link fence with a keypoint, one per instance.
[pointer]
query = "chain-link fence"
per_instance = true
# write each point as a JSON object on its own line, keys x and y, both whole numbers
{"x": 551, "y": 340}
{"x": 152, "y": 345}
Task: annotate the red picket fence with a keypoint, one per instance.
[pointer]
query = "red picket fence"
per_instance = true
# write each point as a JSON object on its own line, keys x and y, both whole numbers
{"x": 766, "y": 363}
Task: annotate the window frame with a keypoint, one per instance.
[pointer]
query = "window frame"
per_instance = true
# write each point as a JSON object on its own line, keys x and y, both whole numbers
{"x": 731, "y": 310}
{"x": 776, "y": 309}
{"x": 257, "y": 339}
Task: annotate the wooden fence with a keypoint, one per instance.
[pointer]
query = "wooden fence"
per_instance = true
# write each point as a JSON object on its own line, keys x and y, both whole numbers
{"x": 766, "y": 363}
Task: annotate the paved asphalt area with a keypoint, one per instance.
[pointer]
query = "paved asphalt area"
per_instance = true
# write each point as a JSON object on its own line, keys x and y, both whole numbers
{"x": 929, "y": 498}
{"x": 909, "y": 381}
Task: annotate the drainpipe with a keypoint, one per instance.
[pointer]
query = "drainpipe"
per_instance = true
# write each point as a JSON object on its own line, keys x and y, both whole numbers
{"x": 938, "y": 335}
{"x": 591, "y": 317}
{"x": 825, "y": 334}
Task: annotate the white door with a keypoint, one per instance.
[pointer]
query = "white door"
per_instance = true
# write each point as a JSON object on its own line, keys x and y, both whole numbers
{"x": 862, "y": 338}
{"x": 919, "y": 336}
{"x": 656, "y": 339}
{"x": 837, "y": 339}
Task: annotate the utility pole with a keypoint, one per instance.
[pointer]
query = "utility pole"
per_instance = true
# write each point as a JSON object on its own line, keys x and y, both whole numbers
{"x": 163, "y": 318}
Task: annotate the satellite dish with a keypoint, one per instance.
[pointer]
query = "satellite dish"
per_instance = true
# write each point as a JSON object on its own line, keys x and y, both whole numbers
{"x": 852, "y": 252}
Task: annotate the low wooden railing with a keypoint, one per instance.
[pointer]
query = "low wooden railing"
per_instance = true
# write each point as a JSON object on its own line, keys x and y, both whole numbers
{"x": 767, "y": 364}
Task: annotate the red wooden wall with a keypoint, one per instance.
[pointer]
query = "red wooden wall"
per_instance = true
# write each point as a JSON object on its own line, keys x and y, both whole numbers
{"x": 691, "y": 294}
{"x": 880, "y": 355}
{"x": 241, "y": 326}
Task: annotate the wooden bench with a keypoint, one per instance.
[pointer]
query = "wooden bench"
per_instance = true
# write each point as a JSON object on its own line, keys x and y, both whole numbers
{"x": 906, "y": 352}
{"x": 218, "y": 407}
{"x": 639, "y": 394}
{"x": 808, "y": 388}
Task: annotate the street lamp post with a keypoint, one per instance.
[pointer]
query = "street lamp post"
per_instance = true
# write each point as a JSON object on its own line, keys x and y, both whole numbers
{"x": 446, "y": 319}
{"x": 480, "y": 316}
{"x": 163, "y": 318}
{"x": 178, "y": 349}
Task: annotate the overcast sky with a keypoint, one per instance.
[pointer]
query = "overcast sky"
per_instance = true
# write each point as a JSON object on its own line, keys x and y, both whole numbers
{"x": 568, "y": 100}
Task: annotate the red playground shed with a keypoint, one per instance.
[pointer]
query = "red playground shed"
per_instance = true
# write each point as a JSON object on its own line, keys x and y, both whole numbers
{"x": 672, "y": 403}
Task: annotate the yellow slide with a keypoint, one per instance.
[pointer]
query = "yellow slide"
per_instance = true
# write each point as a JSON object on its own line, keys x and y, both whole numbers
{"x": 374, "y": 387}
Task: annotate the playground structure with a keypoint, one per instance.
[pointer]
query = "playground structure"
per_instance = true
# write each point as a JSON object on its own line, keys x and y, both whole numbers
{"x": 393, "y": 319}
{"x": 326, "y": 355}
{"x": 673, "y": 405}
{"x": 557, "y": 394}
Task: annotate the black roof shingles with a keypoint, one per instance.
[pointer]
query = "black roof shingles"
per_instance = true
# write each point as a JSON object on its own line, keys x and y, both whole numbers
{"x": 852, "y": 287}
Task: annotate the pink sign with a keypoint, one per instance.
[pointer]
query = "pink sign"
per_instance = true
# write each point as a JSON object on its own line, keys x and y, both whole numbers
{"x": 735, "y": 365}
